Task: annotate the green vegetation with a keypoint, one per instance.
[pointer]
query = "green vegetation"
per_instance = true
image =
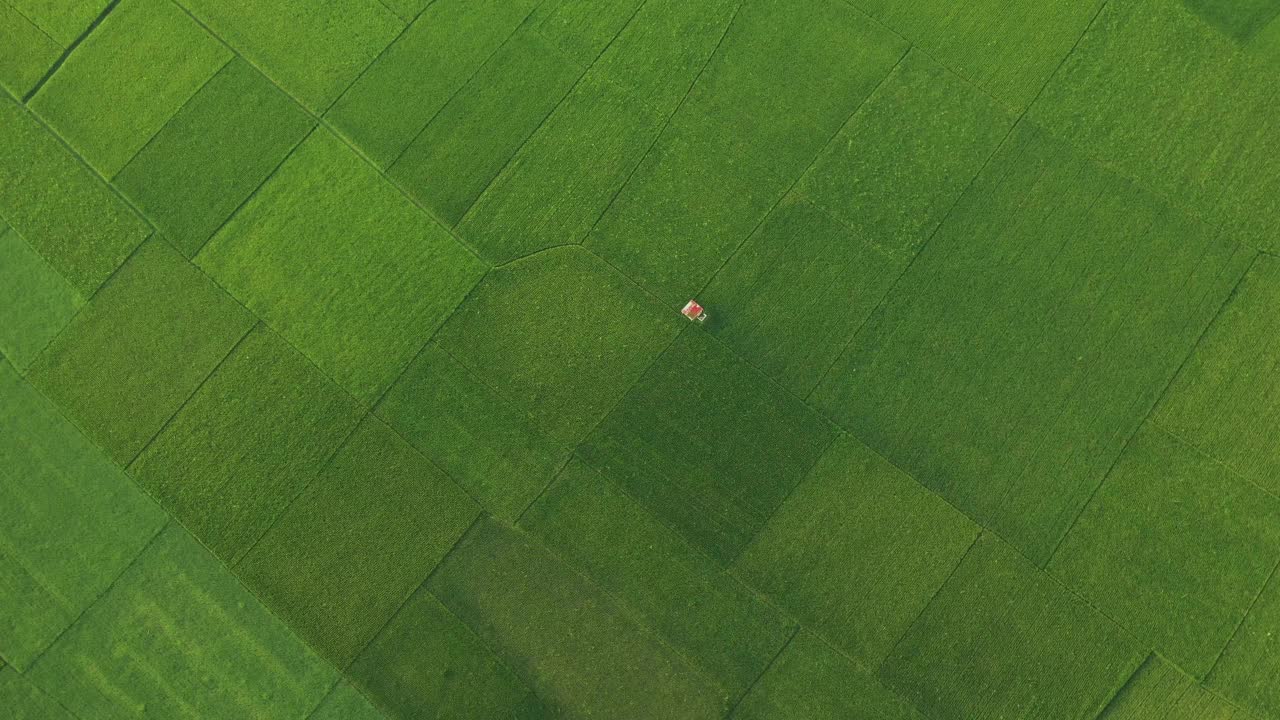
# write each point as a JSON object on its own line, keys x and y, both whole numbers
{"x": 212, "y": 154}
{"x": 1159, "y": 691}
{"x": 62, "y": 20}
{"x": 103, "y": 73}
{"x": 251, "y": 438}
{"x": 26, "y": 52}
{"x": 352, "y": 547}
{"x": 139, "y": 349}
{"x": 582, "y": 29}
{"x": 35, "y": 301}
{"x": 341, "y": 265}
{"x": 856, "y": 551}
{"x": 345, "y": 703}
{"x": 24, "y": 701}
{"x": 1247, "y": 670}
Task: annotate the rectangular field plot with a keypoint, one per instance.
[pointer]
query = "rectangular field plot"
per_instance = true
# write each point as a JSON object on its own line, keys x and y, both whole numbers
{"x": 26, "y": 52}
{"x": 427, "y": 663}
{"x": 178, "y": 637}
{"x": 723, "y": 162}
{"x": 708, "y": 444}
{"x": 1174, "y": 547}
{"x": 1159, "y": 691}
{"x": 139, "y": 349}
{"x": 489, "y": 446}
{"x": 593, "y": 525}
{"x": 145, "y": 60}
{"x": 467, "y": 143}
{"x": 811, "y": 681}
{"x": 210, "y": 156}
{"x": 35, "y": 301}
{"x": 1002, "y": 639}
{"x": 452, "y": 39}
{"x": 1247, "y": 671}
{"x": 246, "y": 444}
{"x": 572, "y": 644}
{"x": 1010, "y": 49}
{"x": 59, "y": 206}
{"x": 342, "y": 265}
{"x": 311, "y": 50}
{"x": 70, "y": 521}
{"x": 1226, "y": 399}
{"x": 856, "y": 551}
{"x": 354, "y": 545}
{"x": 582, "y": 29}
{"x": 1029, "y": 339}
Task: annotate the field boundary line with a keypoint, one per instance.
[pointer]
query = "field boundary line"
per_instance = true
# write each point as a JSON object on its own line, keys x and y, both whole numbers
{"x": 75, "y": 44}
{"x": 1275, "y": 573}
{"x": 1061, "y": 63}
{"x": 767, "y": 667}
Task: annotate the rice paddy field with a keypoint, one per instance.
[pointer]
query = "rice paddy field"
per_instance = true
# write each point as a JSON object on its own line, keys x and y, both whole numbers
{"x": 343, "y": 374}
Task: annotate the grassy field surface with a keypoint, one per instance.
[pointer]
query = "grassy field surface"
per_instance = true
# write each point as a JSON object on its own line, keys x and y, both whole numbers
{"x": 343, "y": 374}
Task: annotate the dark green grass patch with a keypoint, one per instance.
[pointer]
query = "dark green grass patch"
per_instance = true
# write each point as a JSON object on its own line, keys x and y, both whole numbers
{"x": 856, "y": 551}
{"x": 207, "y": 160}
{"x": 63, "y": 20}
{"x": 1159, "y": 691}
{"x": 312, "y": 50}
{"x": 1010, "y": 49}
{"x": 582, "y": 29}
{"x": 469, "y": 141}
{"x": 1002, "y": 639}
{"x": 342, "y": 265}
{"x": 347, "y": 553}
{"x": 415, "y": 78}
{"x": 70, "y": 521}
{"x": 178, "y": 637}
{"x": 1174, "y": 547}
{"x": 1226, "y": 399}
{"x": 246, "y": 444}
{"x": 1029, "y": 339}
{"x": 427, "y": 663}
{"x": 730, "y": 633}
{"x": 127, "y": 79}
{"x": 23, "y": 701}
{"x": 1144, "y": 93}
{"x": 35, "y": 301}
{"x": 26, "y": 52}
{"x": 902, "y": 161}
{"x": 1241, "y": 19}
{"x": 491, "y": 448}
{"x": 708, "y": 444}
{"x": 562, "y": 334}
{"x": 560, "y": 182}
{"x": 59, "y": 206}
{"x": 750, "y": 127}
{"x": 139, "y": 349}
{"x": 1247, "y": 671}
{"x": 811, "y": 681}
{"x": 344, "y": 702}
{"x": 573, "y": 644}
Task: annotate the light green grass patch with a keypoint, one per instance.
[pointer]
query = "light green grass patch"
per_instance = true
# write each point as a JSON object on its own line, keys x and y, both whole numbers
{"x": 178, "y": 637}
{"x": 342, "y": 265}
{"x": 471, "y": 138}
{"x": 561, "y": 334}
{"x": 253, "y": 436}
{"x": 1226, "y": 399}
{"x": 59, "y": 206}
{"x": 708, "y": 444}
{"x": 137, "y": 351}
{"x": 23, "y": 701}
{"x": 491, "y": 448}
{"x": 313, "y": 51}
{"x": 568, "y": 640}
{"x": 749, "y": 128}
{"x": 26, "y": 52}
{"x": 70, "y": 521}
{"x": 426, "y": 663}
{"x": 63, "y": 20}
{"x": 1159, "y": 691}
{"x": 1240, "y": 19}
{"x": 1030, "y": 338}
{"x": 351, "y": 549}
{"x": 1002, "y": 639}
{"x": 1010, "y": 49}
{"x": 1174, "y": 547}
{"x": 1247, "y": 671}
{"x": 582, "y": 29}
{"x": 811, "y": 681}
{"x": 207, "y": 160}
{"x": 414, "y": 79}
{"x": 729, "y": 632}
{"x": 124, "y": 82}
{"x": 856, "y": 551}
{"x": 35, "y": 301}
{"x": 344, "y": 702}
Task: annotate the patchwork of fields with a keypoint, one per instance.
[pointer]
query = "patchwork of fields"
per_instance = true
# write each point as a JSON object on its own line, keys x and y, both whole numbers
{"x": 342, "y": 374}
